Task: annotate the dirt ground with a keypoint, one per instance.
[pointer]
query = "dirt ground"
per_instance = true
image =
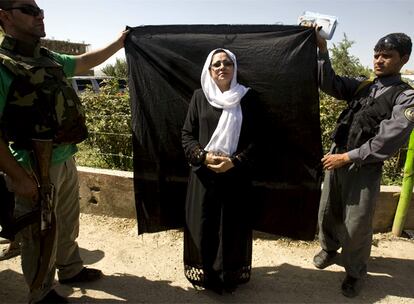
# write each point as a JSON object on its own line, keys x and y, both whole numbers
{"x": 149, "y": 269}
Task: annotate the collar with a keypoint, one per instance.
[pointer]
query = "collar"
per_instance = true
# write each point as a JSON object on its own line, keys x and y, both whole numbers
{"x": 387, "y": 81}
{"x": 19, "y": 47}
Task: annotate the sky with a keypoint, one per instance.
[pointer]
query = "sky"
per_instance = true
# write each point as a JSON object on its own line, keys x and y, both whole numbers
{"x": 97, "y": 22}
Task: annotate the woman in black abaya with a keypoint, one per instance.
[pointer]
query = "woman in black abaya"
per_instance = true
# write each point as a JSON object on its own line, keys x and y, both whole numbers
{"x": 218, "y": 141}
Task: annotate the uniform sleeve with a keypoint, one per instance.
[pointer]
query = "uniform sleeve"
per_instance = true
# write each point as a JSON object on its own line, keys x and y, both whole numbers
{"x": 67, "y": 61}
{"x": 193, "y": 150}
{"x": 342, "y": 88}
{"x": 393, "y": 133}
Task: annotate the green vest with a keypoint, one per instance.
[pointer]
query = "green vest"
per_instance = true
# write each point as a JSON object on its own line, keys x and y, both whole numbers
{"x": 41, "y": 104}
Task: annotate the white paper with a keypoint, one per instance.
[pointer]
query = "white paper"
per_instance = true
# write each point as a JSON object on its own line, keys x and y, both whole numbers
{"x": 328, "y": 23}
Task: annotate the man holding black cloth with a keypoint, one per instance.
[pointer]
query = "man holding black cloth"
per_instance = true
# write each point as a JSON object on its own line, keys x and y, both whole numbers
{"x": 378, "y": 121}
{"x": 38, "y": 106}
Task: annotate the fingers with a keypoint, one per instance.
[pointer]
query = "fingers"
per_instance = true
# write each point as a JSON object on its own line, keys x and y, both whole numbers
{"x": 121, "y": 38}
{"x": 328, "y": 161}
{"x": 220, "y": 168}
{"x": 334, "y": 161}
{"x": 321, "y": 42}
{"x": 214, "y": 159}
{"x": 224, "y": 165}
{"x": 124, "y": 33}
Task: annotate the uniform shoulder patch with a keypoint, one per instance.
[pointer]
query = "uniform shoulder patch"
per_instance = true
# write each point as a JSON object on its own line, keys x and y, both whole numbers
{"x": 409, "y": 114}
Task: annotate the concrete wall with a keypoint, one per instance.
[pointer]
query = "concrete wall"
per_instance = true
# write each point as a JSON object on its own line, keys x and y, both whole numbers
{"x": 111, "y": 192}
{"x": 107, "y": 192}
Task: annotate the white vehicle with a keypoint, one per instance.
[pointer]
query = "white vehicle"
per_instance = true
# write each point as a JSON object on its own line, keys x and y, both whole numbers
{"x": 80, "y": 83}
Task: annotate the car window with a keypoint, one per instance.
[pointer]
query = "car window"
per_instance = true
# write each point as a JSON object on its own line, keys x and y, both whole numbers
{"x": 122, "y": 85}
{"x": 82, "y": 84}
{"x": 94, "y": 83}
{"x": 100, "y": 82}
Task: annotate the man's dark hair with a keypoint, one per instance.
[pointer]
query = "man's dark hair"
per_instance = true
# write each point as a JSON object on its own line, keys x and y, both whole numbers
{"x": 6, "y": 4}
{"x": 395, "y": 41}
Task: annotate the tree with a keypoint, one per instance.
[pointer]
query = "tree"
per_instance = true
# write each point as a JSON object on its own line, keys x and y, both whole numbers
{"x": 346, "y": 64}
{"x": 118, "y": 70}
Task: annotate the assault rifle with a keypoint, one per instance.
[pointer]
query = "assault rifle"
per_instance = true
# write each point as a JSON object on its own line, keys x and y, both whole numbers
{"x": 43, "y": 154}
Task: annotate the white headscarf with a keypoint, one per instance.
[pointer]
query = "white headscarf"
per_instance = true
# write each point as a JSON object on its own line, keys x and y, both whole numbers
{"x": 226, "y": 136}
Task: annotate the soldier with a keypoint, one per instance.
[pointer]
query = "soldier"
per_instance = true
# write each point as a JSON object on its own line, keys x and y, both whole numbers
{"x": 37, "y": 102}
{"x": 378, "y": 121}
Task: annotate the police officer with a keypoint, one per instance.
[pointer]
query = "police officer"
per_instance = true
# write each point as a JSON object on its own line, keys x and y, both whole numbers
{"x": 36, "y": 101}
{"x": 378, "y": 121}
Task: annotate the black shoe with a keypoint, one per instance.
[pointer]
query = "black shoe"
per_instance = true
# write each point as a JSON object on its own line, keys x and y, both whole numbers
{"x": 10, "y": 252}
{"x": 213, "y": 282}
{"x": 324, "y": 259}
{"x": 351, "y": 286}
{"x": 53, "y": 297}
{"x": 85, "y": 275}
{"x": 217, "y": 288}
{"x": 230, "y": 287}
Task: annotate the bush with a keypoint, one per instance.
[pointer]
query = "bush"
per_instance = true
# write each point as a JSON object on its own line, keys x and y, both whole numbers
{"x": 108, "y": 118}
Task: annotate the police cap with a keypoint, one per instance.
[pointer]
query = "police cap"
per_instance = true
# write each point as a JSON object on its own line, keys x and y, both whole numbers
{"x": 395, "y": 41}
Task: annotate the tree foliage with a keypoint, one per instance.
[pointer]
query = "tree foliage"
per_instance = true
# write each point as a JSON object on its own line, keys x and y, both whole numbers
{"x": 118, "y": 70}
{"x": 346, "y": 64}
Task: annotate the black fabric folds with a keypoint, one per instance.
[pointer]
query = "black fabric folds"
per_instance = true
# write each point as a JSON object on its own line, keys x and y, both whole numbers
{"x": 279, "y": 63}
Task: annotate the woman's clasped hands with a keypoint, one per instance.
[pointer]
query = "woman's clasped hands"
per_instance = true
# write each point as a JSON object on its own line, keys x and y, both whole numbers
{"x": 218, "y": 162}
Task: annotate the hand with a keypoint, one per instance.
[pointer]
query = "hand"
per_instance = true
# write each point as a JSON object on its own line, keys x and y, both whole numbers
{"x": 334, "y": 161}
{"x": 210, "y": 158}
{"x": 26, "y": 187}
{"x": 320, "y": 42}
{"x": 121, "y": 38}
{"x": 221, "y": 165}
{"x": 213, "y": 158}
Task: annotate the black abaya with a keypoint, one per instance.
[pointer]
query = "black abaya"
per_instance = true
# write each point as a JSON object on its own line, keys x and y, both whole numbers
{"x": 218, "y": 233}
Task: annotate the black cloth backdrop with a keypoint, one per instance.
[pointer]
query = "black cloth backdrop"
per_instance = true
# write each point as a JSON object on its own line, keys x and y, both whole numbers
{"x": 277, "y": 61}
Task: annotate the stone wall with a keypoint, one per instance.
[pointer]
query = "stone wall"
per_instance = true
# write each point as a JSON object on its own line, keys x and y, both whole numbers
{"x": 111, "y": 192}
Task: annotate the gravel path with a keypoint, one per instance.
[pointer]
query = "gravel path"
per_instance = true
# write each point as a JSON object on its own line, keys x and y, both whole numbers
{"x": 148, "y": 269}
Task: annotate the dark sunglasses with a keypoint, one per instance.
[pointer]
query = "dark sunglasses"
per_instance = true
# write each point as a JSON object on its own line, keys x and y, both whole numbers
{"x": 218, "y": 63}
{"x": 28, "y": 10}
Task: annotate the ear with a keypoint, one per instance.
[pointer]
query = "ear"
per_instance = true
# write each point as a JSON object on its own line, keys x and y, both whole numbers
{"x": 405, "y": 58}
{"x": 2, "y": 14}
{"x": 4, "y": 17}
